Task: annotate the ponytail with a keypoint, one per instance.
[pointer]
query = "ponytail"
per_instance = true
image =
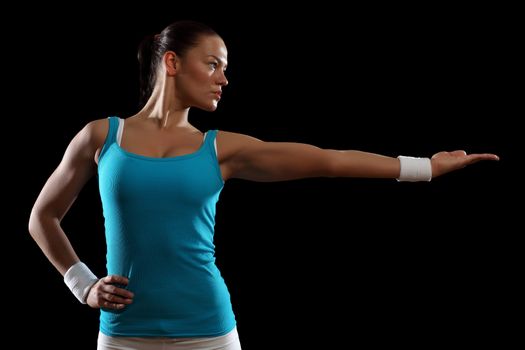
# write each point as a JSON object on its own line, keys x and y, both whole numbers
{"x": 146, "y": 75}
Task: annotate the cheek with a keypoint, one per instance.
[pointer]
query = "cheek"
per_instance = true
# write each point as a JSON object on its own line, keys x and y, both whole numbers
{"x": 203, "y": 77}
{"x": 199, "y": 76}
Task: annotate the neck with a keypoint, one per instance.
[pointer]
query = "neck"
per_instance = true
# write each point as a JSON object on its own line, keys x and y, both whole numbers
{"x": 163, "y": 107}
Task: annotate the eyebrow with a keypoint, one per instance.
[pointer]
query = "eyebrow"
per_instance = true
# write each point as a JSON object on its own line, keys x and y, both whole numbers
{"x": 225, "y": 64}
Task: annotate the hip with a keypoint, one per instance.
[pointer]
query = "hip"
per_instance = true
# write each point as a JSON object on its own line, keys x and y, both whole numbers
{"x": 229, "y": 341}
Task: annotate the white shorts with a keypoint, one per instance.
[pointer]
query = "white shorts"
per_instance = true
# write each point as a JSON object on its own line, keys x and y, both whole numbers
{"x": 228, "y": 341}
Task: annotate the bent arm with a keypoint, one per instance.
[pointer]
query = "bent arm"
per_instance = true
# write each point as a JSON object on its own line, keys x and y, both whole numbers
{"x": 57, "y": 196}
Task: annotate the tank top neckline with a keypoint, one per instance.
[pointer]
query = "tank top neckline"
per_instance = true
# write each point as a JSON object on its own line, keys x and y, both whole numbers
{"x": 163, "y": 159}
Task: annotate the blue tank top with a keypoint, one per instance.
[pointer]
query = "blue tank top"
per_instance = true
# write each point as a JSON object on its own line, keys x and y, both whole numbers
{"x": 159, "y": 219}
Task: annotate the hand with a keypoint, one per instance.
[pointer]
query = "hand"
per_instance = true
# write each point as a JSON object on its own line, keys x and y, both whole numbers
{"x": 105, "y": 294}
{"x": 444, "y": 162}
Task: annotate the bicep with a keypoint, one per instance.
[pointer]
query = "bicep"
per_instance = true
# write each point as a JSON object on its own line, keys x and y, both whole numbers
{"x": 75, "y": 169}
{"x": 279, "y": 161}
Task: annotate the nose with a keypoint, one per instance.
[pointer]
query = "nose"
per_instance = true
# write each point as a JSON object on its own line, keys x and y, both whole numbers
{"x": 222, "y": 79}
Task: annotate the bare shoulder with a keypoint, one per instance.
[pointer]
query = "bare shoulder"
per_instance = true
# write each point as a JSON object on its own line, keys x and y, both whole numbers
{"x": 230, "y": 143}
{"x": 233, "y": 140}
{"x": 94, "y": 133}
{"x": 97, "y": 130}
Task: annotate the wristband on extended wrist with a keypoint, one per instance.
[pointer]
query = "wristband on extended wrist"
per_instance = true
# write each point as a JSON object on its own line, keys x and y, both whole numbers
{"x": 414, "y": 169}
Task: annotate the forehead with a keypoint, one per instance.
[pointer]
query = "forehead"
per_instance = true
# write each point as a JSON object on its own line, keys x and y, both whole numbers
{"x": 211, "y": 45}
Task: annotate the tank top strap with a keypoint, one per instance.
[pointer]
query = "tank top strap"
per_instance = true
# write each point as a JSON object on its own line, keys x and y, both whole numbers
{"x": 211, "y": 146}
{"x": 111, "y": 135}
{"x": 210, "y": 141}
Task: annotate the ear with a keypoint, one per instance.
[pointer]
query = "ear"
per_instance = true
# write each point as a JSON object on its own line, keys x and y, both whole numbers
{"x": 171, "y": 61}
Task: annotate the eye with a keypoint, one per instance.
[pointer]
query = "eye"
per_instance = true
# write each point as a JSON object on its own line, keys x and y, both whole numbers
{"x": 213, "y": 65}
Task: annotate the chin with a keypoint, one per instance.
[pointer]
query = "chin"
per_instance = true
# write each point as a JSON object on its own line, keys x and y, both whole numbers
{"x": 209, "y": 107}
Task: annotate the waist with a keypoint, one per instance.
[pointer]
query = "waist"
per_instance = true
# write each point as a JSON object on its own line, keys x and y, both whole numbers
{"x": 183, "y": 302}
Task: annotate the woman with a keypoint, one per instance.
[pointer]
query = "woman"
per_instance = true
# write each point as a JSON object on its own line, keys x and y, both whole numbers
{"x": 159, "y": 180}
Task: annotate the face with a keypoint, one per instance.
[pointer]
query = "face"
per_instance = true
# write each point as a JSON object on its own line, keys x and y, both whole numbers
{"x": 200, "y": 74}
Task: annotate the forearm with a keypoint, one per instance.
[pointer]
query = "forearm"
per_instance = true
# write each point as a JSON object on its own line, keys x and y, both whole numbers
{"x": 363, "y": 164}
{"x": 50, "y": 237}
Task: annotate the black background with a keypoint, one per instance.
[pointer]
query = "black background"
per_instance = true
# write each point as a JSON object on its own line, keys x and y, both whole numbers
{"x": 313, "y": 262}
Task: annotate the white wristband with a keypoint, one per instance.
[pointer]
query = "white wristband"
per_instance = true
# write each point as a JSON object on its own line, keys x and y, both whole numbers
{"x": 415, "y": 169}
{"x": 80, "y": 279}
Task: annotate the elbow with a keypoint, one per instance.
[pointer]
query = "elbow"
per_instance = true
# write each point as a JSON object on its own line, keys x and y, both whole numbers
{"x": 37, "y": 220}
{"x": 34, "y": 219}
{"x": 332, "y": 165}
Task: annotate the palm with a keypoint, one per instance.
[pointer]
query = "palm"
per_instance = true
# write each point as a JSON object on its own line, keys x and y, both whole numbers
{"x": 444, "y": 162}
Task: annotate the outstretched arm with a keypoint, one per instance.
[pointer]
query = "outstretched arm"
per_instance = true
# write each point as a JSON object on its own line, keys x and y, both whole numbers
{"x": 252, "y": 159}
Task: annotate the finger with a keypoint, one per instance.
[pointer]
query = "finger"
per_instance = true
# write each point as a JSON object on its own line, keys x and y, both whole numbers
{"x": 116, "y": 299}
{"x": 489, "y": 156}
{"x": 124, "y": 293}
{"x": 116, "y": 279}
{"x": 109, "y": 288}
{"x": 110, "y": 305}
{"x": 473, "y": 158}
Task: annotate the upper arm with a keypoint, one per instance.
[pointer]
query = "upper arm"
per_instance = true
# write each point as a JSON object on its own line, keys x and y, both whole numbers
{"x": 75, "y": 169}
{"x": 249, "y": 158}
